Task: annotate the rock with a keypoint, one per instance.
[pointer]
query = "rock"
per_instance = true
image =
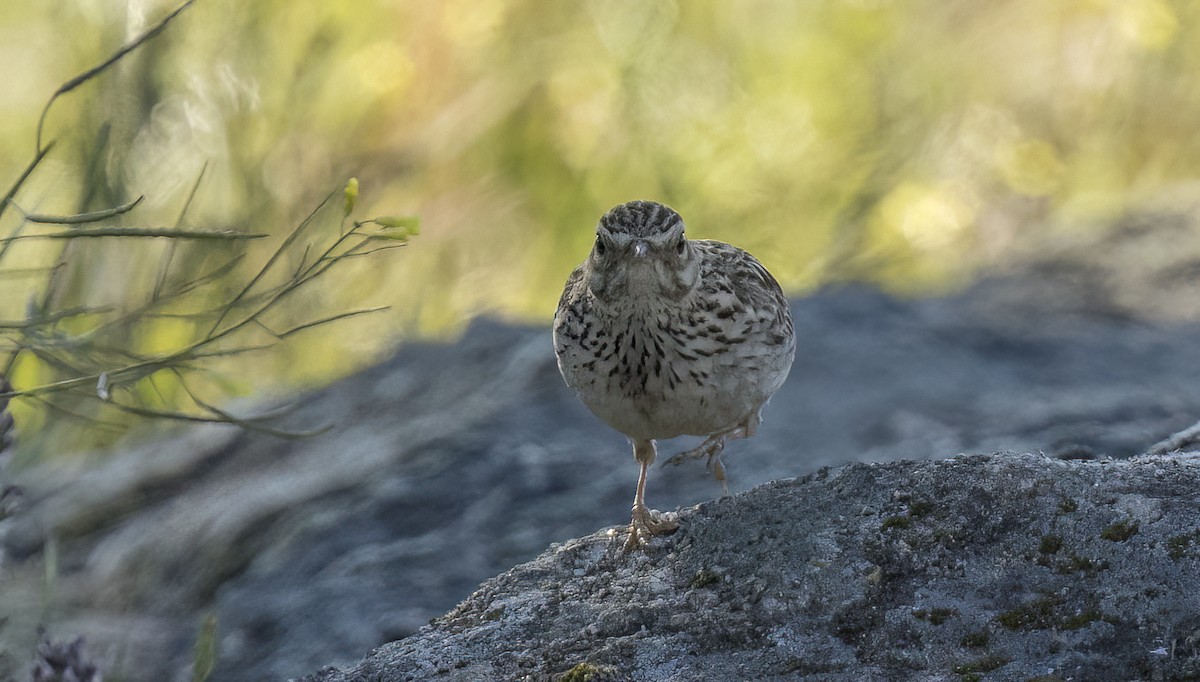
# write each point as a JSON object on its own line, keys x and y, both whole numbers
{"x": 454, "y": 461}
{"x": 63, "y": 662}
{"x": 1019, "y": 565}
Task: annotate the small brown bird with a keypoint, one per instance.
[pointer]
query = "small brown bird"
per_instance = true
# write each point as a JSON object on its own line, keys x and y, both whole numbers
{"x": 664, "y": 336}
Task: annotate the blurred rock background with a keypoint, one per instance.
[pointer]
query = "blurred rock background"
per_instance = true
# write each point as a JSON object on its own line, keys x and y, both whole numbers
{"x": 1034, "y": 162}
{"x": 904, "y": 144}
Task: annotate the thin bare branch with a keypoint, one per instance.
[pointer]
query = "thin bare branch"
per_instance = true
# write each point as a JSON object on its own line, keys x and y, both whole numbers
{"x": 295, "y": 234}
{"x": 111, "y": 427}
{"x": 201, "y": 280}
{"x": 359, "y": 254}
{"x": 81, "y": 218}
{"x": 30, "y": 272}
{"x": 167, "y": 232}
{"x": 220, "y": 417}
{"x": 16, "y": 186}
{"x": 257, "y": 421}
{"x": 169, "y": 253}
{"x": 231, "y": 351}
{"x": 327, "y": 320}
{"x": 147, "y": 308}
{"x": 113, "y": 59}
{"x": 51, "y": 318}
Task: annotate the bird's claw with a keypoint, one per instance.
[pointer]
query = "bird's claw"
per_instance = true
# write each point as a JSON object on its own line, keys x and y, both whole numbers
{"x": 710, "y": 448}
{"x": 646, "y": 524}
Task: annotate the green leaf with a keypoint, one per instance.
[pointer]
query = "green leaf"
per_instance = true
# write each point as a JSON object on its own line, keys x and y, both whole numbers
{"x": 394, "y": 236}
{"x": 409, "y": 222}
{"x": 351, "y": 195}
{"x": 204, "y": 658}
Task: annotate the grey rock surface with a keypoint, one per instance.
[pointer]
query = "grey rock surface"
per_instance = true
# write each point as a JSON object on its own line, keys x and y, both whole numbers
{"x": 1005, "y": 566}
{"x": 452, "y": 462}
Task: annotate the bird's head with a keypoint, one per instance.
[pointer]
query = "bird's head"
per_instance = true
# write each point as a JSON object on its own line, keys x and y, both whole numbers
{"x": 641, "y": 249}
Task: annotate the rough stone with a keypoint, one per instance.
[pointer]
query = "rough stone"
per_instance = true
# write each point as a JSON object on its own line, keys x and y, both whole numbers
{"x": 786, "y": 581}
{"x": 452, "y": 462}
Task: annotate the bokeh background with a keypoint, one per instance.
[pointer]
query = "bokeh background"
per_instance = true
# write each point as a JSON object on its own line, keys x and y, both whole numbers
{"x": 908, "y": 144}
{"x": 1041, "y": 158}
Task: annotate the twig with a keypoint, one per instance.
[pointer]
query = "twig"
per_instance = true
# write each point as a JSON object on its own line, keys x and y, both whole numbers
{"x": 80, "y": 218}
{"x": 221, "y": 417}
{"x": 51, "y": 318}
{"x": 326, "y": 320}
{"x": 169, "y": 252}
{"x": 359, "y": 254}
{"x": 271, "y": 261}
{"x": 94, "y": 232}
{"x": 112, "y": 427}
{"x": 12, "y": 191}
{"x": 29, "y": 272}
{"x": 113, "y": 59}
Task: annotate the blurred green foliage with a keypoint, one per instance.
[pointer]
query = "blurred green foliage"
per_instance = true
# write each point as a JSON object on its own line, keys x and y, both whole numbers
{"x": 903, "y": 143}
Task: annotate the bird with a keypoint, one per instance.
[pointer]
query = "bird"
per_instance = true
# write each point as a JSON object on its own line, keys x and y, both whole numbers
{"x": 664, "y": 336}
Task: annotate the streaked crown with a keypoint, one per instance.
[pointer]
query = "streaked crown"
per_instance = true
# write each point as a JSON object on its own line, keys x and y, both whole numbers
{"x": 640, "y": 219}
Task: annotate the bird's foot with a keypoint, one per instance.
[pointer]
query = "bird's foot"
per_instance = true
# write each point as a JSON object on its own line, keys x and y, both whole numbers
{"x": 711, "y": 448}
{"x": 646, "y": 524}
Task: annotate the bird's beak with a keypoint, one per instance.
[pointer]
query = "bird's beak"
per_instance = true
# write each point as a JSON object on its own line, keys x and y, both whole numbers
{"x": 640, "y": 249}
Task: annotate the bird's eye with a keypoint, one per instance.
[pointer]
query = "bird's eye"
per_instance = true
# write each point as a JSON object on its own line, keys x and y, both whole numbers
{"x": 600, "y": 247}
{"x": 681, "y": 246}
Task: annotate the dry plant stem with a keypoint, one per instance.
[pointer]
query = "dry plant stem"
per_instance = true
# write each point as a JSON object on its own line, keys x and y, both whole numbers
{"x": 42, "y": 150}
{"x": 325, "y": 320}
{"x": 147, "y": 309}
{"x": 80, "y": 218}
{"x": 137, "y": 368}
{"x": 88, "y": 360}
{"x": 169, "y": 253}
{"x": 51, "y": 318}
{"x": 110, "y": 427}
{"x": 110, "y": 231}
{"x": 16, "y": 186}
{"x": 112, "y": 59}
{"x": 190, "y": 350}
{"x": 28, "y": 272}
{"x": 295, "y": 234}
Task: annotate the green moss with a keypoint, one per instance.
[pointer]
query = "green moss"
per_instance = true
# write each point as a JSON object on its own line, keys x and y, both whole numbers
{"x": 896, "y": 522}
{"x": 935, "y": 616}
{"x": 1120, "y": 531}
{"x": 1050, "y": 544}
{"x": 919, "y": 508}
{"x": 1178, "y": 546}
{"x": 1035, "y": 615}
{"x": 970, "y": 677}
{"x": 1067, "y": 505}
{"x": 976, "y": 640}
{"x": 1044, "y": 613}
{"x": 1077, "y": 564}
{"x": 703, "y": 578}
{"x": 985, "y": 664}
{"x": 583, "y": 672}
{"x": 1080, "y": 620}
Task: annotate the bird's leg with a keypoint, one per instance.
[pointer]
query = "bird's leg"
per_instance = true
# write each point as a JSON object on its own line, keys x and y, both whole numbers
{"x": 714, "y": 445}
{"x": 646, "y": 522}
